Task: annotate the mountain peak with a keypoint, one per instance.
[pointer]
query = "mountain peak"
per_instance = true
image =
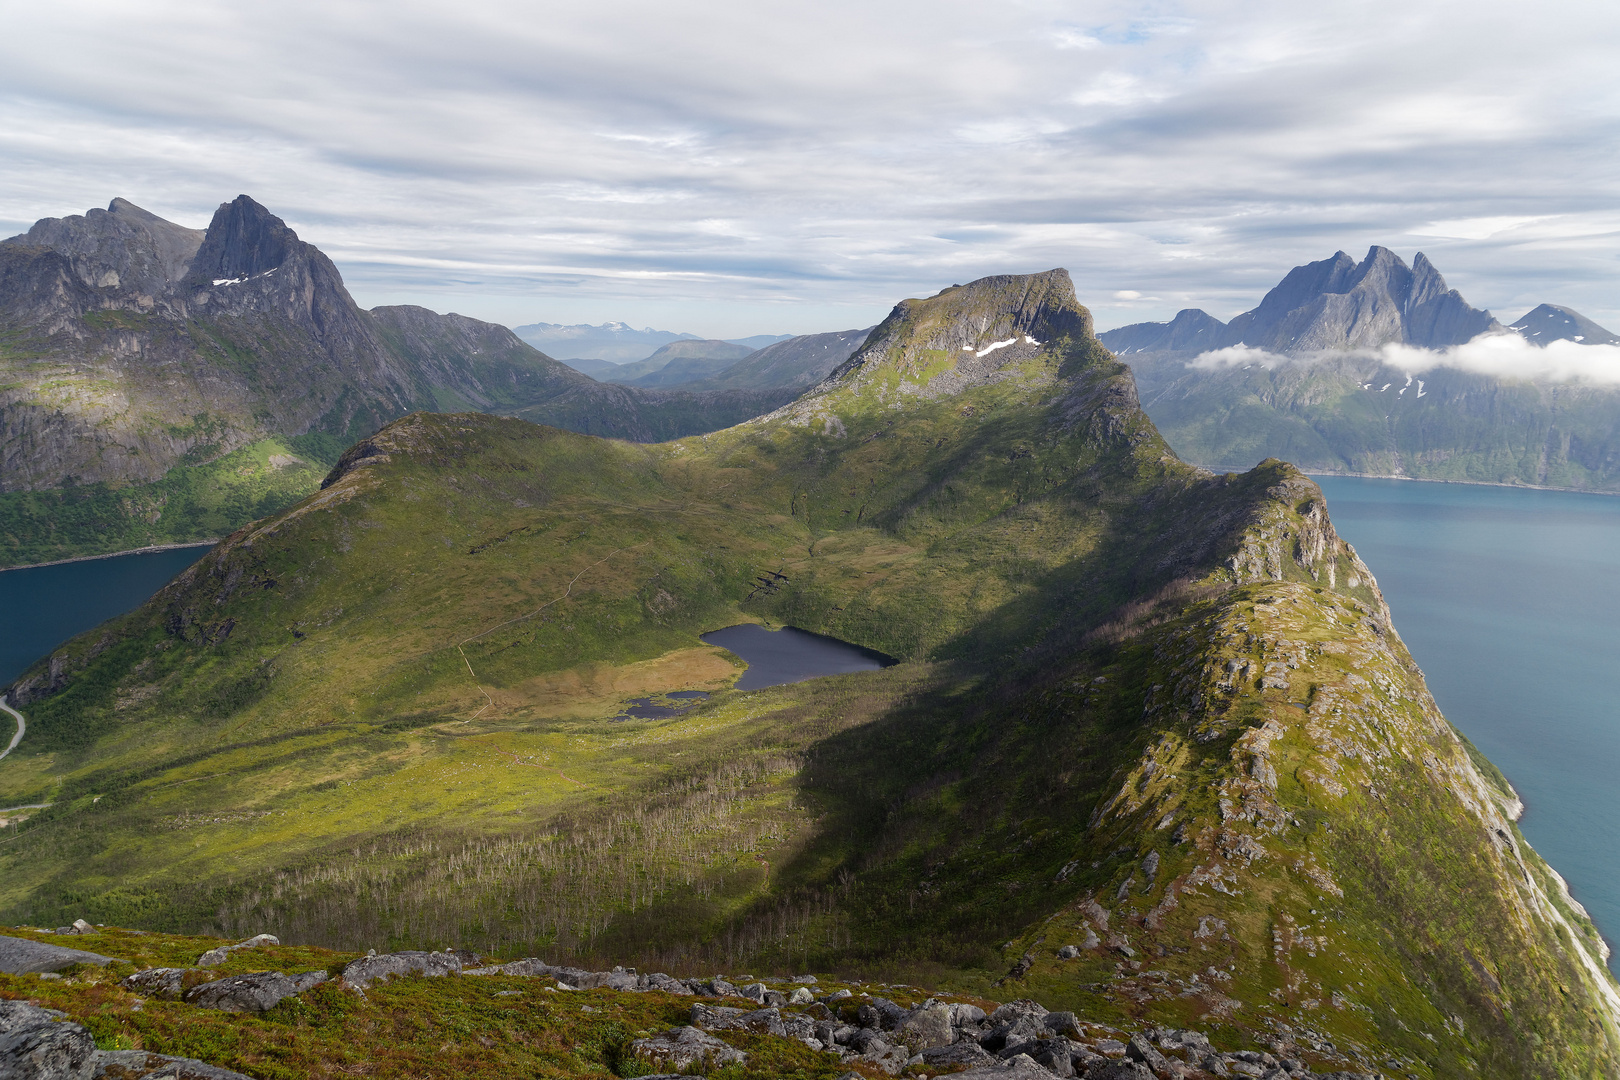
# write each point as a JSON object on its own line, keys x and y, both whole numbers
{"x": 1010, "y": 314}
{"x": 244, "y": 240}
{"x": 1547, "y": 323}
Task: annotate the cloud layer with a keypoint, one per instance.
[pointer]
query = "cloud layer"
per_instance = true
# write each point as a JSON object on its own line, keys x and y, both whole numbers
{"x": 1503, "y": 356}
{"x": 787, "y": 167}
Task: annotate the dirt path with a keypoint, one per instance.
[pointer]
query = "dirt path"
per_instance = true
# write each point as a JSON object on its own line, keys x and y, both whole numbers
{"x": 22, "y": 726}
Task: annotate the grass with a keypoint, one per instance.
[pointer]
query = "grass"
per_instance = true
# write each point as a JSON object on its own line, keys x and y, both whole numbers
{"x": 386, "y": 716}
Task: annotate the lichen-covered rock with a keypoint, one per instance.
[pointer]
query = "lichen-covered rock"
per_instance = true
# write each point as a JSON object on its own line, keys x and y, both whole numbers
{"x": 216, "y": 956}
{"x": 929, "y": 1024}
{"x": 19, "y": 956}
{"x": 685, "y": 1048}
{"x": 368, "y": 969}
{"x": 258, "y": 991}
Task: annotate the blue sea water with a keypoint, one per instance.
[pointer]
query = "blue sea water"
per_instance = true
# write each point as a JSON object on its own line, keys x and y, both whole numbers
{"x": 43, "y": 606}
{"x": 1509, "y": 600}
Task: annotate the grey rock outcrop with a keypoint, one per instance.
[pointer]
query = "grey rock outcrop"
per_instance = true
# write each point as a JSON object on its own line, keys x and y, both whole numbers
{"x": 218, "y": 955}
{"x": 20, "y": 956}
{"x": 258, "y": 991}
{"x": 40, "y": 1044}
{"x": 685, "y": 1048}
{"x": 363, "y": 972}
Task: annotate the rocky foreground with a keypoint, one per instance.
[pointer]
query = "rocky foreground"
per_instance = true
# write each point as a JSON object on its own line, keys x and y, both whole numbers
{"x": 857, "y": 1029}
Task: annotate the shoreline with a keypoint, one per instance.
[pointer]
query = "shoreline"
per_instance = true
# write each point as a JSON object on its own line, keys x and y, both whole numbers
{"x": 1431, "y": 480}
{"x": 148, "y": 550}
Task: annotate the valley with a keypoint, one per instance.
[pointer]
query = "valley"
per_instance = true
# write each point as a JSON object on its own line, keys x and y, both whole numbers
{"x": 1141, "y": 709}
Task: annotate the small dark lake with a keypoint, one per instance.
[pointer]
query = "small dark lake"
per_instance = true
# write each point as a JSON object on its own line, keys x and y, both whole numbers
{"x": 662, "y": 706}
{"x": 792, "y": 655}
{"x": 43, "y": 606}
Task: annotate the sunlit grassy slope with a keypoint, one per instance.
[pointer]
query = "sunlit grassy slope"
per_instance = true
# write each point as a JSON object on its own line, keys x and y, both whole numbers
{"x": 191, "y": 502}
{"x": 1139, "y": 700}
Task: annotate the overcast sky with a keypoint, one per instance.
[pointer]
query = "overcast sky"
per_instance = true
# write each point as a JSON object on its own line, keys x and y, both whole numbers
{"x": 729, "y": 169}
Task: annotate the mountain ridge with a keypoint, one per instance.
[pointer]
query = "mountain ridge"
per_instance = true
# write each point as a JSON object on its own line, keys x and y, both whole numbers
{"x": 1154, "y": 713}
{"x": 133, "y": 347}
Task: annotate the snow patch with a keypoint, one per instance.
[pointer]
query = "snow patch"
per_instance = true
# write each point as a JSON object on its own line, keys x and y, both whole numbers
{"x": 994, "y": 345}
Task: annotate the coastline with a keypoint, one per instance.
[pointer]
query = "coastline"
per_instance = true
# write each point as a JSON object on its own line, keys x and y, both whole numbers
{"x": 148, "y": 550}
{"x": 1426, "y": 480}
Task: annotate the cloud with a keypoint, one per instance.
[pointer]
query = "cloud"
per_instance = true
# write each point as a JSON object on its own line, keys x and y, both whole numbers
{"x": 1502, "y": 356}
{"x": 838, "y": 143}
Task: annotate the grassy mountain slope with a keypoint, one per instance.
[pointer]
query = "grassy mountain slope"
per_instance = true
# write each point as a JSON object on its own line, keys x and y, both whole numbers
{"x": 1140, "y": 701}
{"x": 1336, "y": 415}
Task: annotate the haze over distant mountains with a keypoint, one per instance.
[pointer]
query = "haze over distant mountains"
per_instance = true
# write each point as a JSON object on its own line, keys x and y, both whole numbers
{"x": 1316, "y": 374}
{"x": 615, "y": 342}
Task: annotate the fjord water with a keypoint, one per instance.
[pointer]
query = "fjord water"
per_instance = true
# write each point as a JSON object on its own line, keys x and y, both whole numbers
{"x": 791, "y": 655}
{"x": 43, "y": 606}
{"x": 1509, "y": 600}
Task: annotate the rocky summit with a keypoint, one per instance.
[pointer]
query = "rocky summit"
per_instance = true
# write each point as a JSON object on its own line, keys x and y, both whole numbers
{"x": 1153, "y": 753}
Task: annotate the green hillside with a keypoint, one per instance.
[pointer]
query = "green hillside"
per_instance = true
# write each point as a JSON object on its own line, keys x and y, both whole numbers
{"x": 1335, "y": 414}
{"x": 1149, "y": 711}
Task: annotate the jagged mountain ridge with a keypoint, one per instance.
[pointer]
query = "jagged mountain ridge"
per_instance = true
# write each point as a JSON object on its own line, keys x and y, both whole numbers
{"x": 1144, "y": 710}
{"x": 131, "y": 346}
{"x": 1336, "y": 303}
{"x": 1338, "y": 406}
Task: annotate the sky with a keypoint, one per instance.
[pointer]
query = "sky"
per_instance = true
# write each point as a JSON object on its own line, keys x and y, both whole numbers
{"x": 729, "y": 169}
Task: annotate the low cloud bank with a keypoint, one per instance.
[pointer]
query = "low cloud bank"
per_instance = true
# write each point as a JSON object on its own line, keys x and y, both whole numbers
{"x": 1503, "y": 356}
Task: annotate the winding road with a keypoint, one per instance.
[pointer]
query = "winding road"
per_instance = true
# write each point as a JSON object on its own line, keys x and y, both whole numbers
{"x": 22, "y": 726}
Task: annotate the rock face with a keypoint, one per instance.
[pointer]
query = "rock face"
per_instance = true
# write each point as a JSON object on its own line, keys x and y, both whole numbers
{"x": 257, "y": 991}
{"x": 19, "y": 956}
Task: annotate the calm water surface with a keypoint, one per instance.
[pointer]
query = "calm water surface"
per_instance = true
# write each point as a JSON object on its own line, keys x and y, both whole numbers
{"x": 791, "y": 655}
{"x": 1510, "y": 602}
{"x": 43, "y": 606}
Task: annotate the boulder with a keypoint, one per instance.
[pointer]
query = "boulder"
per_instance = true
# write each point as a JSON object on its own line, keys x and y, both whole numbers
{"x": 38, "y": 1044}
{"x": 1020, "y": 1068}
{"x": 1119, "y": 1070}
{"x": 1139, "y": 1049}
{"x": 929, "y": 1024}
{"x": 965, "y": 1053}
{"x": 259, "y": 991}
{"x": 684, "y": 1048}
{"x": 1053, "y": 1055}
{"x": 1062, "y": 1023}
{"x": 801, "y": 996}
{"x": 216, "y": 956}
{"x": 1068, "y": 952}
{"x": 167, "y": 984}
{"x": 19, "y": 956}
{"x": 667, "y": 984}
{"x": 890, "y": 1058}
{"x": 966, "y": 1016}
{"x": 368, "y": 969}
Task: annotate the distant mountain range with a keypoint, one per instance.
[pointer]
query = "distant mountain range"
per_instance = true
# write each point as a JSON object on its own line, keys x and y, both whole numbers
{"x": 698, "y": 365}
{"x": 1323, "y": 396}
{"x": 616, "y": 342}
{"x": 132, "y": 347}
